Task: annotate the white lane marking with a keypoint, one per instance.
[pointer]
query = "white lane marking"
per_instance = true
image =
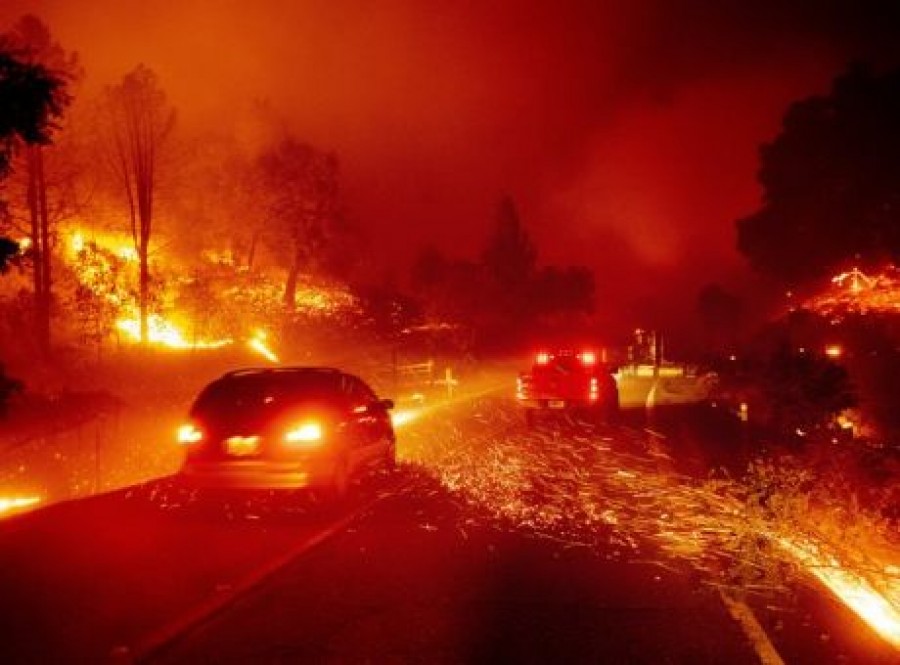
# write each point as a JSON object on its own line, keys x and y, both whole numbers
{"x": 739, "y": 611}
{"x": 651, "y": 396}
{"x": 160, "y": 638}
{"x": 748, "y": 622}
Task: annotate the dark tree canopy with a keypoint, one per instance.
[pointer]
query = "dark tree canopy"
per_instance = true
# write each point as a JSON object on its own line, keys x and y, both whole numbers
{"x": 720, "y": 314}
{"x": 510, "y": 256}
{"x": 831, "y": 182}
{"x": 32, "y": 99}
{"x": 805, "y": 390}
{"x": 8, "y": 251}
{"x": 569, "y": 289}
{"x": 429, "y": 269}
{"x": 302, "y": 205}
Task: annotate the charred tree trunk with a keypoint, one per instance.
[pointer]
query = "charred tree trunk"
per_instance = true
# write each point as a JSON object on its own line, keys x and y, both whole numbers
{"x": 145, "y": 197}
{"x": 144, "y": 294}
{"x": 251, "y": 253}
{"x": 40, "y": 246}
{"x": 37, "y": 270}
{"x": 145, "y": 186}
{"x": 290, "y": 286}
{"x": 46, "y": 253}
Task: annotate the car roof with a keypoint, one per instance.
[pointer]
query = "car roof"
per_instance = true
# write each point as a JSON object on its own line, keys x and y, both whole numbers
{"x": 285, "y": 375}
{"x": 562, "y": 353}
{"x": 284, "y": 370}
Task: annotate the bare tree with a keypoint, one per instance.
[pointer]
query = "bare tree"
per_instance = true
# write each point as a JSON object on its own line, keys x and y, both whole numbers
{"x": 138, "y": 121}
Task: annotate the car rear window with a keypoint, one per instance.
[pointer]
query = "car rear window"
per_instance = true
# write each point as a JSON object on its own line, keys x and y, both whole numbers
{"x": 269, "y": 392}
{"x": 564, "y": 364}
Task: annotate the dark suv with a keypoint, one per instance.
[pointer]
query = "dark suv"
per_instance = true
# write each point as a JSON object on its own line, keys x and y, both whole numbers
{"x": 287, "y": 427}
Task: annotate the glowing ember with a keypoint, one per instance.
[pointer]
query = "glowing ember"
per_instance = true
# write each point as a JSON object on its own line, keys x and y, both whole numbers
{"x": 615, "y": 490}
{"x": 11, "y": 505}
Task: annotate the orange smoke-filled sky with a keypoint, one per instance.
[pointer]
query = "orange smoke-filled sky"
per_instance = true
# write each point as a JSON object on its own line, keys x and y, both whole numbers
{"x": 627, "y": 131}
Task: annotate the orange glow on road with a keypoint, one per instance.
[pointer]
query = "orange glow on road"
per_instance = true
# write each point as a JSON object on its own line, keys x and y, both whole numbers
{"x": 401, "y": 417}
{"x": 9, "y": 506}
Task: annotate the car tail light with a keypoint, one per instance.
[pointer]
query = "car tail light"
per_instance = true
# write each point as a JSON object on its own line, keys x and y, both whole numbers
{"x": 189, "y": 433}
{"x": 542, "y": 358}
{"x": 588, "y": 358}
{"x": 304, "y": 435}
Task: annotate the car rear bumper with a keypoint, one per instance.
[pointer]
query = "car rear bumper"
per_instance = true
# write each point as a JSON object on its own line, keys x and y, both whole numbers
{"x": 558, "y": 404}
{"x": 255, "y": 474}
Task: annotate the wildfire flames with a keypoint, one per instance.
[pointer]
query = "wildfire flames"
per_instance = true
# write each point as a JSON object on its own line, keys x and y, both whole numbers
{"x": 858, "y": 293}
{"x": 164, "y": 333}
{"x": 621, "y": 495}
{"x": 104, "y": 265}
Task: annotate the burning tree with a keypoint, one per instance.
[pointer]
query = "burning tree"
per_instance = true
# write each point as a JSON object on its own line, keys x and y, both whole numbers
{"x": 138, "y": 121}
{"x": 100, "y": 290}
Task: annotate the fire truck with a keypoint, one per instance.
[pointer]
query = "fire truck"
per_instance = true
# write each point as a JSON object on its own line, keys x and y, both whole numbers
{"x": 566, "y": 381}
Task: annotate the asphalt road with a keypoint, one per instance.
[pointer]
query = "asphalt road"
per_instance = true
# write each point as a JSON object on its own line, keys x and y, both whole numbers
{"x": 491, "y": 544}
{"x": 413, "y": 583}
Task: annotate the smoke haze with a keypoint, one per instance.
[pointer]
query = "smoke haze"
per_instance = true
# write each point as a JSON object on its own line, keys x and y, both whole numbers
{"x": 627, "y": 132}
